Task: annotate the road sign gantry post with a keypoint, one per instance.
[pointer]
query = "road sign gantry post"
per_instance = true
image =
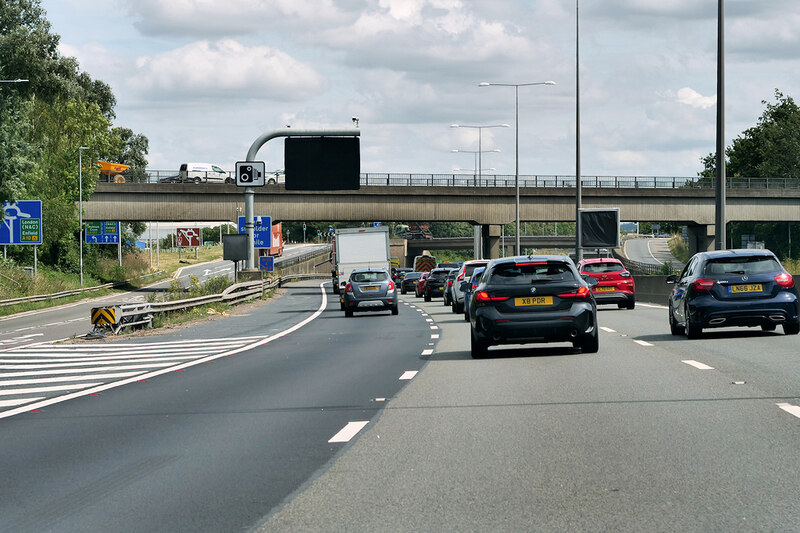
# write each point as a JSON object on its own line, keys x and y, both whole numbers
{"x": 249, "y": 192}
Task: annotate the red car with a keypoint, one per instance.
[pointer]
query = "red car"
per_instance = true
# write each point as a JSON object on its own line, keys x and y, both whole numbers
{"x": 419, "y": 289}
{"x": 616, "y": 284}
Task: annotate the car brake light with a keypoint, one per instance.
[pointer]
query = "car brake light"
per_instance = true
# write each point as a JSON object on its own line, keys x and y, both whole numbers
{"x": 348, "y": 288}
{"x": 484, "y": 297}
{"x": 579, "y": 293}
{"x": 702, "y": 284}
{"x": 450, "y": 283}
{"x": 784, "y": 280}
{"x": 391, "y": 286}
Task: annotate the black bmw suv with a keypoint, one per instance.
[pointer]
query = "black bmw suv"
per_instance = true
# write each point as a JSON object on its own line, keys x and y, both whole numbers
{"x": 528, "y": 299}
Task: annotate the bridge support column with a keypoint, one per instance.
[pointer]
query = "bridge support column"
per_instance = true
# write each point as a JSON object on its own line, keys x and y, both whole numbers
{"x": 701, "y": 238}
{"x": 491, "y": 240}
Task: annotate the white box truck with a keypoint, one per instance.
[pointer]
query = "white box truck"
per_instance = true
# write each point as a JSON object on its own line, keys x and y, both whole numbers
{"x": 359, "y": 248}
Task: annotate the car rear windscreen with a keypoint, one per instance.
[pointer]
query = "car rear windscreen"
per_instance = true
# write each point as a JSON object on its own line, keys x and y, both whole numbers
{"x": 370, "y": 276}
{"x": 741, "y": 265}
{"x": 599, "y": 268}
{"x": 528, "y": 273}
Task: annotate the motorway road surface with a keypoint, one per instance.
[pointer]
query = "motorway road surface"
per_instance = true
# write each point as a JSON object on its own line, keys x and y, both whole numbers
{"x": 653, "y": 433}
{"x": 74, "y": 319}
{"x": 652, "y": 251}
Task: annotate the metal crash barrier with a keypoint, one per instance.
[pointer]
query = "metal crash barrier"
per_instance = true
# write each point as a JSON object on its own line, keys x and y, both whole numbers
{"x": 114, "y": 318}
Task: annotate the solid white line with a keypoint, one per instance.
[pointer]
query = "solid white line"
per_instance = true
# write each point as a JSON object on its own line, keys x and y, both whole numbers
{"x": 19, "y": 401}
{"x": 652, "y": 306}
{"x": 642, "y": 343}
{"x": 427, "y": 352}
{"x": 100, "y": 387}
{"x": 696, "y": 364}
{"x": 38, "y": 390}
{"x": 789, "y": 408}
{"x": 651, "y": 253}
{"x": 349, "y": 431}
{"x": 409, "y": 374}
{"x": 608, "y": 330}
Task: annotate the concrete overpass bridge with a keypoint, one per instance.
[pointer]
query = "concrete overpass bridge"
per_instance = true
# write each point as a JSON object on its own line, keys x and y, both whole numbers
{"x": 488, "y": 206}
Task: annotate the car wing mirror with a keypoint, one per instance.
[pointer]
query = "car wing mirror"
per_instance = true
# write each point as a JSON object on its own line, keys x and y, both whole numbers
{"x": 592, "y": 282}
{"x": 465, "y": 285}
{"x": 672, "y": 279}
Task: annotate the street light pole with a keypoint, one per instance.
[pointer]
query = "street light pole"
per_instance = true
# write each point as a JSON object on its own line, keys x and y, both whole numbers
{"x": 719, "y": 219}
{"x": 480, "y": 139}
{"x": 80, "y": 201}
{"x": 516, "y": 143}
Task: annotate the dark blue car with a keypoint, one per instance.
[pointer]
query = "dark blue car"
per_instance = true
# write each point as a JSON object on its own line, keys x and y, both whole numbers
{"x": 733, "y": 288}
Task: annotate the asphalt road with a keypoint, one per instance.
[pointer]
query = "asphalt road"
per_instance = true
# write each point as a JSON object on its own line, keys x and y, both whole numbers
{"x": 653, "y": 433}
{"x": 211, "y": 442}
{"x": 650, "y": 251}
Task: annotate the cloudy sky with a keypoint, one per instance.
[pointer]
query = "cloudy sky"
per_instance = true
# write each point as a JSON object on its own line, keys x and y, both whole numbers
{"x": 203, "y": 78}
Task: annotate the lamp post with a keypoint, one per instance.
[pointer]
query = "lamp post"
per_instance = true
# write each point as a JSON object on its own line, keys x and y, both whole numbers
{"x": 480, "y": 138}
{"x": 18, "y": 80}
{"x": 80, "y": 201}
{"x": 516, "y": 125}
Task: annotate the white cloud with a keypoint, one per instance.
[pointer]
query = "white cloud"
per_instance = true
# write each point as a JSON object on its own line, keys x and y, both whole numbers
{"x": 690, "y": 97}
{"x": 226, "y": 68}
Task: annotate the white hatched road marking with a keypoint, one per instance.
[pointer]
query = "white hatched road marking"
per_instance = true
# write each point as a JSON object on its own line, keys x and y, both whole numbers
{"x": 409, "y": 374}
{"x": 31, "y": 373}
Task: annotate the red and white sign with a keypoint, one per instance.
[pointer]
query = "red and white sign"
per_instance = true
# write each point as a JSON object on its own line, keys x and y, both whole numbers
{"x": 188, "y": 237}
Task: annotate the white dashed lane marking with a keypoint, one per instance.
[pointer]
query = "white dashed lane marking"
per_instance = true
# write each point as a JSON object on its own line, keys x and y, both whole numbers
{"x": 697, "y": 364}
{"x": 642, "y": 343}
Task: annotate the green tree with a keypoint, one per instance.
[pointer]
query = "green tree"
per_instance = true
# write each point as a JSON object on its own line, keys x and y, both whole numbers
{"x": 770, "y": 149}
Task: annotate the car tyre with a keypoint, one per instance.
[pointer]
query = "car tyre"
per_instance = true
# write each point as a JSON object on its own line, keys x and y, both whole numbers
{"x": 459, "y": 308}
{"x": 479, "y": 349}
{"x": 427, "y": 297}
{"x": 271, "y": 181}
{"x": 692, "y": 330}
{"x": 791, "y": 329}
{"x": 197, "y": 179}
{"x": 395, "y": 310}
{"x": 348, "y": 313}
{"x": 674, "y": 328}
{"x": 768, "y": 327}
{"x": 590, "y": 343}
{"x": 631, "y": 305}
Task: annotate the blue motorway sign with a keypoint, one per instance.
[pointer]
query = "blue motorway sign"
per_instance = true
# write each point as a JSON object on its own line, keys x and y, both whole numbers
{"x": 102, "y": 232}
{"x": 262, "y": 232}
{"x": 22, "y": 222}
{"x": 266, "y": 262}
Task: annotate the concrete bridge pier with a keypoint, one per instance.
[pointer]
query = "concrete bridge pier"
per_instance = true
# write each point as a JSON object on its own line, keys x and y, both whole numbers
{"x": 701, "y": 237}
{"x": 490, "y": 234}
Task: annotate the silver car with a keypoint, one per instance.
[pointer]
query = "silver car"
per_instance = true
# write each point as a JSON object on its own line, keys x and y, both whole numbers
{"x": 369, "y": 290}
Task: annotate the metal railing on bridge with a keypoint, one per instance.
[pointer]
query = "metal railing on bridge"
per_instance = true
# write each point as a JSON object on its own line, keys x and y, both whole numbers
{"x": 538, "y": 181}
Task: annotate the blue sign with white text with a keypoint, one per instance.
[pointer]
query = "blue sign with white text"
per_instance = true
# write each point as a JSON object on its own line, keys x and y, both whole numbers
{"x": 262, "y": 231}
{"x": 102, "y": 232}
{"x": 266, "y": 262}
{"x": 22, "y": 222}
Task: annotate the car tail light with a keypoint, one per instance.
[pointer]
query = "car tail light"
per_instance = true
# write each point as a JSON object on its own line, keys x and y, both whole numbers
{"x": 784, "y": 280}
{"x": 484, "y": 297}
{"x": 580, "y": 293}
{"x": 702, "y": 284}
{"x": 348, "y": 288}
{"x": 625, "y": 274}
{"x": 391, "y": 286}
{"x": 449, "y": 282}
